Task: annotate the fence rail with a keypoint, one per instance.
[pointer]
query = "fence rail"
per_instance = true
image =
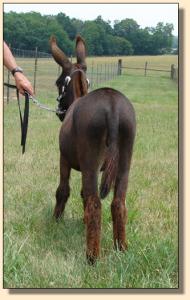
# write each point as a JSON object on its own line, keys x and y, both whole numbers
{"x": 30, "y": 53}
{"x": 100, "y": 73}
{"x": 173, "y": 70}
{"x": 147, "y": 69}
{"x": 42, "y": 71}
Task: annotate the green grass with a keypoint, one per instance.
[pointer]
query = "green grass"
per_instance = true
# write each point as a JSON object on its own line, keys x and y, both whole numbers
{"x": 40, "y": 253}
{"x": 48, "y": 70}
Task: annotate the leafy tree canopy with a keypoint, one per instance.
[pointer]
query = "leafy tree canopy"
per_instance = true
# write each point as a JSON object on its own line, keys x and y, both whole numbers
{"x": 30, "y": 30}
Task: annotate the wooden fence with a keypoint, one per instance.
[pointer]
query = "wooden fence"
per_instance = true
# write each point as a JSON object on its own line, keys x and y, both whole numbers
{"x": 100, "y": 73}
{"x": 39, "y": 65}
{"x": 172, "y": 72}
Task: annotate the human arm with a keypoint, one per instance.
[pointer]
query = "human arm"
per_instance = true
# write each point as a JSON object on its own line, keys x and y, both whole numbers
{"x": 22, "y": 83}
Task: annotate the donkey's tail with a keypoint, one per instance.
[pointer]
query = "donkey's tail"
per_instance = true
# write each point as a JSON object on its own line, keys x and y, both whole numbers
{"x": 111, "y": 161}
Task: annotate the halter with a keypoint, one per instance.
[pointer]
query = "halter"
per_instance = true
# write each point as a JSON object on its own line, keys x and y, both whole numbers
{"x": 67, "y": 80}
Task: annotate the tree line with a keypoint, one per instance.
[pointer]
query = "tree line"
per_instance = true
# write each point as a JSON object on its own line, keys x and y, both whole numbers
{"x": 125, "y": 37}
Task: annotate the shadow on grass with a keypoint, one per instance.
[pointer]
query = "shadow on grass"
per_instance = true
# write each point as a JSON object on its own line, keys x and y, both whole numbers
{"x": 60, "y": 235}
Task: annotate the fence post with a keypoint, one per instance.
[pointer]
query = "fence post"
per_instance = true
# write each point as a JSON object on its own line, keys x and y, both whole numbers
{"x": 119, "y": 67}
{"x": 101, "y": 73}
{"x": 35, "y": 67}
{"x": 105, "y": 71}
{"x": 172, "y": 71}
{"x": 116, "y": 69}
{"x": 97, "y": 75}
{"x": 92, "y": 75}
{"x": 145, "y": 68}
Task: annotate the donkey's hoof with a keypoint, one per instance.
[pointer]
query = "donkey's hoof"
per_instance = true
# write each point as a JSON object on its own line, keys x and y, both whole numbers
{"x": 56, "y": 218}
{"x": 91, "y": 259}
{"x": 121, "y": 246}
{"x": 57, "y": 214}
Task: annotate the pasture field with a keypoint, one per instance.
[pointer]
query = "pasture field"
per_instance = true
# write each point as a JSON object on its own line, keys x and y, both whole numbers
{"x": 47, "y": 70}
{"x": 40, "y": 253}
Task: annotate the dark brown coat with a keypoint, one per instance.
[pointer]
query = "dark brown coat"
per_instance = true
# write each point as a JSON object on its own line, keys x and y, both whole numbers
{"x": 97, "y": 134}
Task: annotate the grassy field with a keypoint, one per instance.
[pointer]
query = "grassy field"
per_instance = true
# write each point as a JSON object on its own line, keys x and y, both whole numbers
{"x": 48, "y": 70}
{"x": 40, "y": 253}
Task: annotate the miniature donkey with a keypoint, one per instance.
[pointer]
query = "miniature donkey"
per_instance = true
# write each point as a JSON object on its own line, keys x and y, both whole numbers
{"x": 97, "y": 134}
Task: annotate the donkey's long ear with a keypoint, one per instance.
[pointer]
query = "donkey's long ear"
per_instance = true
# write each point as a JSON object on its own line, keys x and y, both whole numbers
{"x": 58, "y": 54}
{"x": 80, "y": 50}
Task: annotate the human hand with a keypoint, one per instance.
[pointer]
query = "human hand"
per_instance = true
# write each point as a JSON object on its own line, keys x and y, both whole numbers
{"x": 23, "y": 84}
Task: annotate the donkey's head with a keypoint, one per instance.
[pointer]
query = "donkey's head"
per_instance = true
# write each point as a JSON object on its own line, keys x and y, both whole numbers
{"x": 72, "y": 82}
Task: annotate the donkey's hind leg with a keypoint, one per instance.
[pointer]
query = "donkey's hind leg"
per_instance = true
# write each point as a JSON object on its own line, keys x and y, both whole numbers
{"x": 92, "y": 214}
{"x": 63, "y": 189}
{"x": 118, "y": 206}
{"x": 92, "y": 205}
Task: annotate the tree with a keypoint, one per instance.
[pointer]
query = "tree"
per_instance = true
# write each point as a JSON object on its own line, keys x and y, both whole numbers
{"x": 30, "y": 30}
{"x": 104, "y": 25}
{"x": 127, "y": 29}
{"x": 175, "y": 42}
{"x": 78, "y": 24}
{"x": 94, "y": 37}
{"x": 143, "y": 43}
{"x": 119, "y": 46}
{"x": 67, "y": 25}
{"x": 53, "y": 28}
{"x": 162, "y": 38}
